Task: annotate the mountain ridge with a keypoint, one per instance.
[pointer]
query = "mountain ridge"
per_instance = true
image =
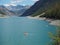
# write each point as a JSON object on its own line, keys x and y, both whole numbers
{"x": 13, "y": 10}
{"x": 40, "y": 7}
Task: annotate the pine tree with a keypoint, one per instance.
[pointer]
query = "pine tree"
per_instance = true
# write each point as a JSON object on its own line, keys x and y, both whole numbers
{"x": 55, "y": 38}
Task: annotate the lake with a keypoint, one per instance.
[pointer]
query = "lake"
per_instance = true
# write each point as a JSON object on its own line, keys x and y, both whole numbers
{"x": 24, "y": 31}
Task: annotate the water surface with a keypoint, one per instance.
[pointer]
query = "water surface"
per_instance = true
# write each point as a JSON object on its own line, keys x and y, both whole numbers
{"x": 24, "y": 31}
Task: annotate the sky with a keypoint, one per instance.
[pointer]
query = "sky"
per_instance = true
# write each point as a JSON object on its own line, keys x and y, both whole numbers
{"x": 17, "y": 2}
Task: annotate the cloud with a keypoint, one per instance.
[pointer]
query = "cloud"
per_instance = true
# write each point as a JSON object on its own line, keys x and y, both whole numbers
{"x": 6, "y": 4}
{"x": 15, "y": 1}
{"x": 35, "y": 0}
{"x": 9, "y": 4}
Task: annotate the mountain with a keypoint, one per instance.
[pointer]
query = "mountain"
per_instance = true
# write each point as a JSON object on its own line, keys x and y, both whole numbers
{"x": 13, "y": 10}
{"x": 5, "y": 11}
{"x": 18, "y": 9}
{"x": 32, "y": 9}
{"x": 53, "y": 13}
{"x": 42, "y": 6}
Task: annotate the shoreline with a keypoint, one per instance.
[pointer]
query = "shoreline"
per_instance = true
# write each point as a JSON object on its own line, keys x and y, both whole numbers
{"x": 5, "y": 17}
{"x": 51, "y": 21}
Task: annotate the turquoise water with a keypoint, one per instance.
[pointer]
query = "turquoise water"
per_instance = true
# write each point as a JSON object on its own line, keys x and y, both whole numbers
{"x": 24, "y": 31}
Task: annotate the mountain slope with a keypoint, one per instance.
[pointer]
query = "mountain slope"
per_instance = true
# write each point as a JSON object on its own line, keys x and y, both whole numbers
{"x": 5, "y": 11}
{"x": 18, "y": 9}
{"x": 33, "y": 9}
{"x": 13, "y": 10}
{"x": 40, "y": 7}
{"x": 53, "y": 13}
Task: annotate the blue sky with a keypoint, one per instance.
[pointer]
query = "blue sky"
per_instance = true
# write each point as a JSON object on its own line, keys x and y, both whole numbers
{"x": 15, "y": 2}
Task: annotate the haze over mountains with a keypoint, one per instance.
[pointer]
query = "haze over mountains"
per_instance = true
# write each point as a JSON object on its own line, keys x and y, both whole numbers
{"x": 13, "y": 10}
{"x": 5, "y": 11}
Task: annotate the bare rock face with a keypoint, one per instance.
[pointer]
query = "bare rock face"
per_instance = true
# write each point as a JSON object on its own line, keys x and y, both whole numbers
{"x": 55, "y": 22}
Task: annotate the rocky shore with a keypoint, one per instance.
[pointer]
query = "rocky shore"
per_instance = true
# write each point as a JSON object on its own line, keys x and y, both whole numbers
{"x": 51, "y": 21}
